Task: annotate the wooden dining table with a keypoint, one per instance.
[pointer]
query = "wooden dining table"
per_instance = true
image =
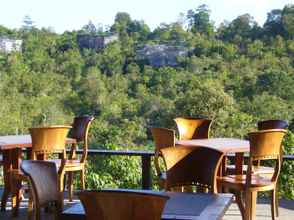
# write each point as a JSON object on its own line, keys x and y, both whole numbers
{"x": 11, "y": 147}
{"x": 225, "y": 145}
{"x": 179, "y": 206}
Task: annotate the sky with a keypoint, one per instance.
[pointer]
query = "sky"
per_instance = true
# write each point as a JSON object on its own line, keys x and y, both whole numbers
{"x": 62, "y": 15}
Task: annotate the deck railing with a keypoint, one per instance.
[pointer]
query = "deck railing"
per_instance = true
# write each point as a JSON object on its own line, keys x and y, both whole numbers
{"x": 145, "y": 159}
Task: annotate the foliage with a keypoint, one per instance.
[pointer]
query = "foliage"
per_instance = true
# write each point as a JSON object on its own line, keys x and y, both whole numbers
{"x": 236, "y": 75}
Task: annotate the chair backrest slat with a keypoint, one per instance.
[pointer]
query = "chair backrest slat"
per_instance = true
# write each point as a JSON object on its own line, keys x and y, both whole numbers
{"x": 122, "y": 205}
{"x": 193, "y": 128}
{"x": 48, "y": 140}
{"x": 188, "y": 166}
{"x": 80, "y": 127}
{"x": 43, "y": 179}
{"x": 266, "y": 143}
{"x": 163, "y": 137}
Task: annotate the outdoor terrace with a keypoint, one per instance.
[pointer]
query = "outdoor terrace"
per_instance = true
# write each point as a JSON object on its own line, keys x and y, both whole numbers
{"x": 286, "y": 207}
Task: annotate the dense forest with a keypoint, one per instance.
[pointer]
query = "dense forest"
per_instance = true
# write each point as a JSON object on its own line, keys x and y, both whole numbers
{"x": 236, "y": 74}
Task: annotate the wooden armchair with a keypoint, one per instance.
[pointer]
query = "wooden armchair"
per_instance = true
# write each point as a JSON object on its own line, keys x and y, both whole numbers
{"x": 163, "y": 138}
{"x": 45, "y": 142}
{"x": 192, "y": 166}
{"x": 264, "y": 145}
{"x": 262, "y": 125}
{"x": 80, "y": 130}
{"x": 122, "y": 205}
{"x": 257, "y": 168}
{"x": 43, "y": 181}
{"x": 193, "y": 128}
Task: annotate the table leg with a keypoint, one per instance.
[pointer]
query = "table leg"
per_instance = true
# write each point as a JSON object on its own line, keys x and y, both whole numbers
{"x": 11, "y": 160}
{"x": 6, "y": 167}
{"x": 239, "y": 163}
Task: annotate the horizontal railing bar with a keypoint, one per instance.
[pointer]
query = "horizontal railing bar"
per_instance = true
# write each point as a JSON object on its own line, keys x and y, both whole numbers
{"x": 147, "y": 153}
{"x": 118, "y": 152}
{"x": 285, "y": 156}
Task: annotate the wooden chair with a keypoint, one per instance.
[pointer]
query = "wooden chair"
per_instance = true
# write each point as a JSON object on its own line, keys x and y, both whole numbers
{"x": 122, "y": 205}
{"x": 163, "y": 138}
{"x": 192, "y": 166}
{"x": 264, "y": 145}
{"x": 193, "y": 128}
{"x": 265, "y": 125}
{"x": 80, "y": 130}
{"x": 45, "y": 142}
{"x": 262, "y": 125}
{"x": 43, "y": 181}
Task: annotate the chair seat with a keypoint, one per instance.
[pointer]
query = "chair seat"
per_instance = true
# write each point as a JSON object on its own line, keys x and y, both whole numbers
{"x": 256, "y": 170}
{"x": 70, "y": 165}
{"x": 18, "y": 174}
{"x": 239, "y": 181}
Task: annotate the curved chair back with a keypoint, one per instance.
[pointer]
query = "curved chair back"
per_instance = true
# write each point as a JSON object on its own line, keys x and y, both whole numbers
{"x": 48, "y": 140}
{"x": 80, "y": 127}
{"x": 272, "y": 124}
{"x": 43, "y": 180}
{"x": 163, "y": 138}
{"x": 122, "y": 205}
{"x": 193, "y": 128}
{"x": 188, "y": 166}
{"x": 266, "y": 145}
{"x": 80, "y": 130}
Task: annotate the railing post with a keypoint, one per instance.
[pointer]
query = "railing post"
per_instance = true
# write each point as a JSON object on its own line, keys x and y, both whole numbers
{"x": 146, "y": 172}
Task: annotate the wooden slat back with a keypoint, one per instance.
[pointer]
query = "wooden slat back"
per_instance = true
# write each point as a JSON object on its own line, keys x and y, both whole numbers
{"x": 48, "y": 140}
{"x": 266, "y": 143}
{"x": 191, "y": 166}
{"x": 163, "y": 137}
{"x": 43, "y": 179}
{"x": 80, "y": 127}
{"x": 193, "y": 128}
{"x": 120, "y": 205}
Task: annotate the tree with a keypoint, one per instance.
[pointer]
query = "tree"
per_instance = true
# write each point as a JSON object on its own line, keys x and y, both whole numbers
{"x": 199, "y": 21}
{"x": 273, "y": 25}
{"x": 288, "y": 20}
{"x": 121, "y": 22}
{"x": 242, "y": 28}
{"x": 90, "y": 28}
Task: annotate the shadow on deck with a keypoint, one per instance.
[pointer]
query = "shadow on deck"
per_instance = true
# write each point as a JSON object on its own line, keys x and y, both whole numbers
{"x": 262, "y": 212}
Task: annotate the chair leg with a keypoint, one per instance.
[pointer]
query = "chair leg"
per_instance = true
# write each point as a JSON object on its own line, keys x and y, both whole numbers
{"x": 37, "y": 212}
{"x": 277, "y": 202}
{"x": 30, "y": 205}
{"x": 16, "y": 197}
{"x": 58, "y": 211}
{"x": 64, "y": 181}
{"x": 273, "y": 204}
{"x": 250, "y": 205}
{"x": 61, "y": 181}
{"x": 240, "y": 204}
{"x": 82, "y": 179}
{"x": 70, "y": 186}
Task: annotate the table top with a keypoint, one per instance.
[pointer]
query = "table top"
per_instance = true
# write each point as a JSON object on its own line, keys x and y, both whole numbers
{"x": 180, "y": 206}
{"x": 21, "y": 141}
{"x": 226, "y": 145}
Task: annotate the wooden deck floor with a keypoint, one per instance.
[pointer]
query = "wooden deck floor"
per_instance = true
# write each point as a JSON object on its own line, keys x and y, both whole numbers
{"x": 263, "y": 211}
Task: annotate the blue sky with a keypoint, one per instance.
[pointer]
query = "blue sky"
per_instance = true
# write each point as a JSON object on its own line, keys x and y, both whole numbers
{"x": 64, "y": 15}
